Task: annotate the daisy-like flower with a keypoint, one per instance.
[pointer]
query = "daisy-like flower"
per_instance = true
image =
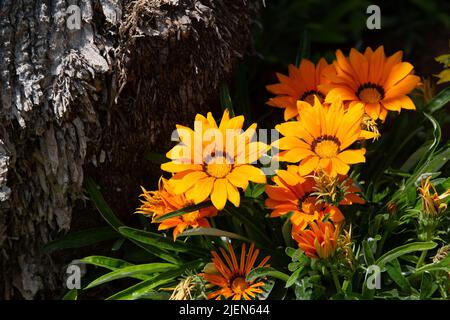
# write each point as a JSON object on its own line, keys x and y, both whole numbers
{"x": 319, "y": 139}
{"x": 293, "y": 193}
{"x": 215, "y": 160}
{"x": 163, "y": 201}
{"x": 340, "y": 190}
{"x": 432, "y": 203}
{"x": 301, "y": 84}
{"x": 379, "y": 83}
{"x": 230, "y": 275}
{"x": 320, "y": 241}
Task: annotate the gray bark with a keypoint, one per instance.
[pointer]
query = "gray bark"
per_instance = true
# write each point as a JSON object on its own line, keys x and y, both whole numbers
{"x": 90, "y": 102}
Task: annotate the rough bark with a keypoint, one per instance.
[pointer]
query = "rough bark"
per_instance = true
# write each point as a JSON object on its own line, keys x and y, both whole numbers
{"x": 90, "y": 102}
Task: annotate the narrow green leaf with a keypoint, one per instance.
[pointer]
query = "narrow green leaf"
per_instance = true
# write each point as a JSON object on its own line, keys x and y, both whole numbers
{"x": 407, "y": 248}
{"x": 159, "y": 241}
{"x": 293, "y": 278}
{"x": 109, "y": 216}
{"x": 368, "y": 255}
{"x": 427, "y": 286}
{"x": 212, "y": 232}
{"x": 441, "y": 265}
{"x": 71, "y": 295}
{"x": 439, "y": 101}
{"x": 80, "y": 239}
{"x": 225, "y": 99}
{"x": 131, "y": 271}
{"x": 101, "y": 204}
{"x": 141, "y": 289}
{"x": 266, "y": 272}
{"x": 154, "y": 157}
{"x": 394, "y": 271}
{"x": 105, "y": 262}
{"x": 184, "y": 210}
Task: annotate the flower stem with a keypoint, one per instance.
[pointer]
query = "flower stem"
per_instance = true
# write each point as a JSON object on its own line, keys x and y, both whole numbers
{"x": 421, "y": 259}
{"x": 336, "y": 280}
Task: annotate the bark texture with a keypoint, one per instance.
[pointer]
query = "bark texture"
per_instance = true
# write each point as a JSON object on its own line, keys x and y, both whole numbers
{"x": 91, "y": 101}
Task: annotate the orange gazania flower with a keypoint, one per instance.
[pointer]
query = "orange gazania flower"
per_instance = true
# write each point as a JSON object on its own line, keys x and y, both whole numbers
{"x": 301, "y": 84}
{"x": 379, "y": 83}
{"x": 319, "y": 139}
{"x": 432, "y": 203}
{"x": 294, "y": 193}
{"x": 212, "y": 161}
{"x": 320, "y": 241}
{"x": 163, "y": 201}
{"x": 231, "y": 274}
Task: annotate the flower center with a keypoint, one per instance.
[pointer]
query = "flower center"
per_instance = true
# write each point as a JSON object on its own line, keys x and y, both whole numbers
{"x": 326, "y": 146}
{"x": 370, "y": 93}
{"x": 239, "y": 285}
{"x": 218, "y": 167}
{"x": 308, "y": 96}
{"x": 308, "y": 205}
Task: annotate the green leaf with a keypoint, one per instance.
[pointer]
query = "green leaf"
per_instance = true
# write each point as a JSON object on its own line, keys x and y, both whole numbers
{"x": 184, "y": 210}
{"x": 427, "y": 286}
{"x": 154, "y": 157}
{"x": 257, "y": 190}
{"x": 105, "y": 262}
{"x": 80, "y": 239}
{"x": 157, "y": 240}
{"x": 394, "y": 270}
{"x": 110, "y": 264}
{"x": 441, "y": 265}
{"x": 118, "y": 244}
{"x": 131, "y": 271}
{"x": 304, "y": 50}
{"x": 266, "y": 272}
{"x": 225, "y": 99}
{"x": 368, "y": 255}
{"x": 293, "y": 278}
{"x": 407, "y": 248}
{"x": 142, "y": 289}
{"x": 439, "y": 101}
{"x": 71, "y": 295}
{"x": 101, "y": 204}
{"x": 109, "y": 216}
{"x": 212, "y": 232}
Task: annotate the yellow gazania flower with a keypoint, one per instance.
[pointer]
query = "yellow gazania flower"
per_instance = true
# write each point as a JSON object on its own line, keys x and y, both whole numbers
{"x": 212, "y": 162}
{"x": 301, "y": 84}
{"x": 230, "y": 275}
{"x": 294, "y": 193}
{"x": 379, "y": 83}
{"x": 320, "y": 241}
{"x": 320, "y": 137}
{"x": 163, "y": 201}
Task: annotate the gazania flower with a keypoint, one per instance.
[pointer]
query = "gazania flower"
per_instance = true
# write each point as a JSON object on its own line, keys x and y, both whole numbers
{"x": 294, "y": 193}
{"x": 215, "y": 160}
{"x": 163, "y": 201}
{"x": 301, "y": 84}
{"x": 230, "y": 275}
{"x": 337, "y": 190}
{"x": 319, "y": 139}
{"x": 432, "y": 202}
{"x": 379, "y": 83}
{"x": 318, "y": 242}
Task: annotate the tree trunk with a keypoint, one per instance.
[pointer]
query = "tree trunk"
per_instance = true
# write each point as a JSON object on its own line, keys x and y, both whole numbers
{"x": 90, "y": 101}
